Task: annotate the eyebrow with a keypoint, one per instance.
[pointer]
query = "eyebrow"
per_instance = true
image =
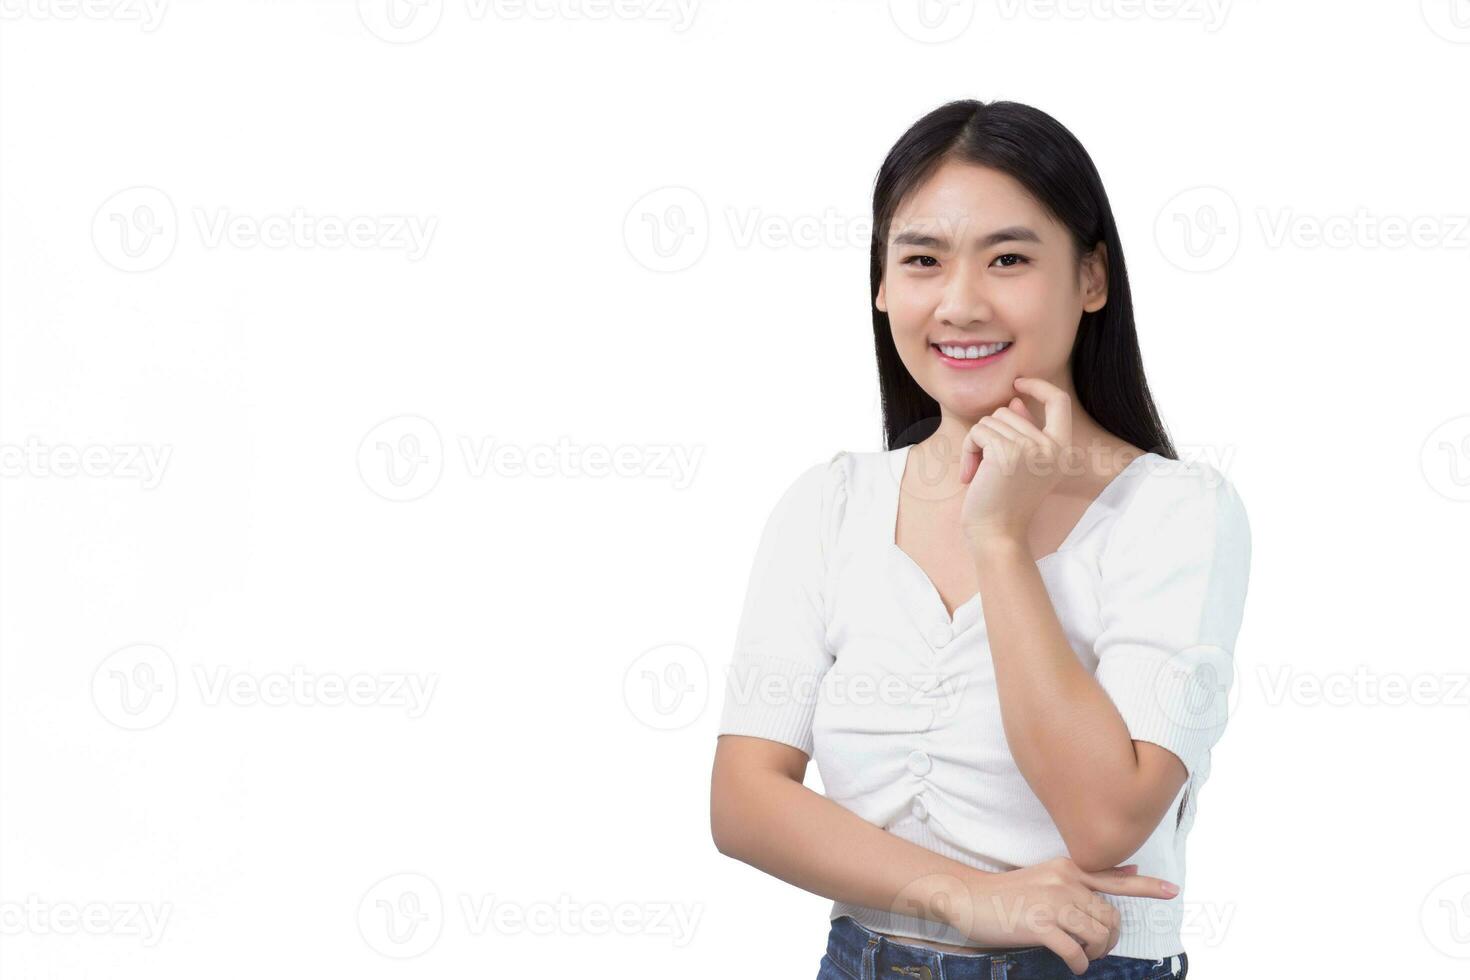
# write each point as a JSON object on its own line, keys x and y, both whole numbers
{"x": 1015, "y": 233}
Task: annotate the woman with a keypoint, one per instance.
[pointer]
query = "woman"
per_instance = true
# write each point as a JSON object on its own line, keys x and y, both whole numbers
{"x": 1007, "y": 638}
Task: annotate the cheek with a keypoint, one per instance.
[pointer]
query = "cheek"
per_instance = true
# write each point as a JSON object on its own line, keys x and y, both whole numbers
{"x": 908, "y": 320}
{"x": 1036, "y": 309}
{"x": 909, "y": 314}
{"x": 1023, "y": 301}
{"x": 908, "y": 307}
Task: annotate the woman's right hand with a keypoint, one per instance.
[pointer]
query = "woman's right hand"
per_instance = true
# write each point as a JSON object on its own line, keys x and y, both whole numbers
{"x": 1053, "y": 904}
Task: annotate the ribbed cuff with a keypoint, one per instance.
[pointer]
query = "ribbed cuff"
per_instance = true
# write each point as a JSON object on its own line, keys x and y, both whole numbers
{"x": 1179, "y": 701}
{"x": 771, "y": 698}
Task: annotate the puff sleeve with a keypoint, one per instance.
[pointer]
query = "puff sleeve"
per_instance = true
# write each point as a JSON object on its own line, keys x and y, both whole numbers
{"x": 1174, "y": 573}
{"x": 780, "y": 653}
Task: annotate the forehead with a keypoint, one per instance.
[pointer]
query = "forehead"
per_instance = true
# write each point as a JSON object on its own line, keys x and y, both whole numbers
{"x": 969, "y": 200}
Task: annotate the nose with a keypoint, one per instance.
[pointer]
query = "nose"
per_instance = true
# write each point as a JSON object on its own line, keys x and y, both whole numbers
{"x": 964, "y": 301}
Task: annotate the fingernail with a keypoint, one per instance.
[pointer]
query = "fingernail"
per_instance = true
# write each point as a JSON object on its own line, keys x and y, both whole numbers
{"x": 1170, "y": 889}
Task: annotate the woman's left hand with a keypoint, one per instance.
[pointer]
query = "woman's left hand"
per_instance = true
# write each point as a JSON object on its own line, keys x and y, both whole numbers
{"x": 1011, "y": 464}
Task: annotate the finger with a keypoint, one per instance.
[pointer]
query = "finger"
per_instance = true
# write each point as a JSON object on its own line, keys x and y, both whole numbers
{"x": 1139, "y": 886}
{"x": 1004, "y": 427}
{"x": 970, "y": 452}
{"x": 1056, "y": 407}
{"x": 1018, "y": 405}
{"x": 1021, "y": 424}
{"x": 1108, "y": 916}
{"x": 981, "y": 442}
{"x": 1123, "y": 869}
{"x": 1008, "y": 448}
{"x": 1081, "y": 926}
{"x": 1066, "y": 947}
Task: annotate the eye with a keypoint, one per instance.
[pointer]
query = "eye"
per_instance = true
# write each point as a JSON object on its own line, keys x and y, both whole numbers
{"x": 1011, "y": 255}
{"x": 911, "y": 258}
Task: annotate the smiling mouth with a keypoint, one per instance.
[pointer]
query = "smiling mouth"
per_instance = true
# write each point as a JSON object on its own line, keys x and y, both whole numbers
{"x": 971, "y": 355}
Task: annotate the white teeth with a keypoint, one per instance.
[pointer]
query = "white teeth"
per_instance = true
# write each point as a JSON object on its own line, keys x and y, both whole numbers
{"x": 983, "y": 350}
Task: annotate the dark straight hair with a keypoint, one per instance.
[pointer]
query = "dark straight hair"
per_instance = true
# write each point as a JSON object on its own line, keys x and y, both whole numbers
{"x": 1040, "y": 153}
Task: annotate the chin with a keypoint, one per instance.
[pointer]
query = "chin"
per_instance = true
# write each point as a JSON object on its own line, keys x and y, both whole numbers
{"x": 981, "y": 393}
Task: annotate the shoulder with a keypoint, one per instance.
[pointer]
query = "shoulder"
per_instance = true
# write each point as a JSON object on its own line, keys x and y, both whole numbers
{"x": 817, "y": 497}
{"x": 1163, "y": 485}
{"x": 1175, "y": 504}
{"x": 823, "y": 482}
{"x": 848, "y": 487}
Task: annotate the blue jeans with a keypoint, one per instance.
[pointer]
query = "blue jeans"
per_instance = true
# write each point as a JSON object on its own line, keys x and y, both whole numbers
{"x": 858, "y": 953}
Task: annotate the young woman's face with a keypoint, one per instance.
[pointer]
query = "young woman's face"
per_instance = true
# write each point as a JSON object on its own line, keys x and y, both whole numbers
{"x": 973, "y": 260}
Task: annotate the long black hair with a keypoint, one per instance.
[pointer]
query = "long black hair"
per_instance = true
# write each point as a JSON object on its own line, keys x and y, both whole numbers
{"x": 1040, "y": 153}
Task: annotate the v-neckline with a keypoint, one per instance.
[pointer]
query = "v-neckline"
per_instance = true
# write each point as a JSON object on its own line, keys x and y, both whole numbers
{"x": 953, "y": 619}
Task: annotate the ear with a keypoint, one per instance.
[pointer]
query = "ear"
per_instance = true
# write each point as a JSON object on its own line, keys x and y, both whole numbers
{"x": 1095, "y": 278}
{"x": 882, "y": 301}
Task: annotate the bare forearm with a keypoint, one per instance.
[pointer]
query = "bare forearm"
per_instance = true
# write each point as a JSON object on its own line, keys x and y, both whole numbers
{"x": 1065, "y": 733}
{"x": 783, "y": 828}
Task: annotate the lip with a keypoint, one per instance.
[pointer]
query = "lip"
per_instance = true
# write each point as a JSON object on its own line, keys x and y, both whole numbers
{"x": 969, "y": 363}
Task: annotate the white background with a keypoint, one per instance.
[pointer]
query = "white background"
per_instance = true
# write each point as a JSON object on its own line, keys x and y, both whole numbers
{"x": 325, "y": 500}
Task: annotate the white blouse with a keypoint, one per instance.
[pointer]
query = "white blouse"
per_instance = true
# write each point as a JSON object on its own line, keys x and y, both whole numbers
{"x": 845, "y": 650}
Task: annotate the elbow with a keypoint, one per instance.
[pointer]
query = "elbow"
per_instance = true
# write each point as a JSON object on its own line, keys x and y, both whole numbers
{"x": 719, "y": 834}
{"x": 729, "y": 837}
{"x": 1102, "y": 846}
{"x": 717, "y": 830}
{"x": 747, "y": 784}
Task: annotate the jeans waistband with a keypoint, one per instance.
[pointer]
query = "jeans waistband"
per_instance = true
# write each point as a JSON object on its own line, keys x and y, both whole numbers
{"x": 870, "y": 956}
{"x": 864, "y": 953}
